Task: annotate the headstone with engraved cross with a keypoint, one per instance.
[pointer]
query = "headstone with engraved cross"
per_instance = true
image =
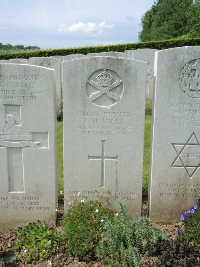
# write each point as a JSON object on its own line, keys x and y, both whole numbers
{"x": 27, "y": 145}
{"x": 175, "y": 164}
{"x": 104, "y": 101}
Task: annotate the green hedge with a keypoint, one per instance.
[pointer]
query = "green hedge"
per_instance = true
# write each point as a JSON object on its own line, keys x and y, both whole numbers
{"x": 106, "y": 48}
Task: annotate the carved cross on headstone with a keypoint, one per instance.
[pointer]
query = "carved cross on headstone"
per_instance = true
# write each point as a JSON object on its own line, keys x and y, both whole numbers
{"x": 103, "y": 159}
{"x": 14, "y": 140}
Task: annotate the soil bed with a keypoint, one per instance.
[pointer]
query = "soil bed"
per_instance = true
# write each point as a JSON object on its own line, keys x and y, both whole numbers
{"x": 63, "y": 259}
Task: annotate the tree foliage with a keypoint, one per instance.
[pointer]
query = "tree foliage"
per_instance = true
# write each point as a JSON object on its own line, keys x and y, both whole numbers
{"x": 169, "y": 19}
{"x": 17, "y": 47}
{"x": 194, "y": 19}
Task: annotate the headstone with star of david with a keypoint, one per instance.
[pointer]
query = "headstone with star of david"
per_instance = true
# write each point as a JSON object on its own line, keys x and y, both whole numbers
{"x": 104, "y": 107}
{"x": 175, "y": 164}
{"x": 27, "y": 145}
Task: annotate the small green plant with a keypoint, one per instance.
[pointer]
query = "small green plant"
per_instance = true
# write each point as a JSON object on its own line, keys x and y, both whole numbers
{"x": 116, "y": 247}
{"x": 124, "y": 240}
{"x": 36, "y": 241}
{"x": 82, "y": 227}
{"x": 191, "y": 223}
{"x": 146, "y": 235}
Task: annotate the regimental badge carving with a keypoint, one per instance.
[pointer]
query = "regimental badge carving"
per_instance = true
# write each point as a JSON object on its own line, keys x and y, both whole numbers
{"x": 104, "y": 88}
{"x": 189, "y": 79}
{"x": 188, "y": 155}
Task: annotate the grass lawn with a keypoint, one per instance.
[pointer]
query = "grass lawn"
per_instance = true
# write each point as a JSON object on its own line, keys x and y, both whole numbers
{"x": 146, "y": 154}
{"x": 60, "y": 156}
{"x": 147, "y": 147}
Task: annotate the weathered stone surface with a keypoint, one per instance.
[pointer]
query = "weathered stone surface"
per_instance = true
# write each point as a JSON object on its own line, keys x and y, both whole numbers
{"x": 109, "y": 54}
{"x": 175, "y": 171}
{"x": 15, "y": 60}
{"x": 4, "y": 61}
{"x": 27, "y": 145}
{"x": 58, "y": 57}
{"x": 146, "y": 55}
{"x": 55, "y": 64}
{"x": 19, "y": 60}
{"x": 73, "y": 56}
{"x": 104, "y": 102}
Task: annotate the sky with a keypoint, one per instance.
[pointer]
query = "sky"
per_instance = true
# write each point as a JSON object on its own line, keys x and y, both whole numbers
{"x": 71, "y": 23}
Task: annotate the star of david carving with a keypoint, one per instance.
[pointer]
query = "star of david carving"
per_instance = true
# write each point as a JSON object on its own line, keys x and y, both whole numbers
{"x": 188, "y": 155}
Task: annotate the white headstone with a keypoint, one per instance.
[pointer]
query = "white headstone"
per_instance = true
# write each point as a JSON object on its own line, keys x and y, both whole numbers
{"x": 109, "y": 54}
{"x": 104, "y": 102}
{"x": 4, "y": 61}
{"x": 175, "y": 170}
{"x": 146, "y": 55}
{"x": 55, "y": 64}
{"x": 27, "y": 145}
{"x": 19, "y": 60}
{"x": 73, "y": 56}
{"x": 58, "y": 57}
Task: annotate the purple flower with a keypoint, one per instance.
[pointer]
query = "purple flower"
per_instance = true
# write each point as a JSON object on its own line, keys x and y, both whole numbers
{"x": 182, "y": 218}
{"x": 192, "y": 210}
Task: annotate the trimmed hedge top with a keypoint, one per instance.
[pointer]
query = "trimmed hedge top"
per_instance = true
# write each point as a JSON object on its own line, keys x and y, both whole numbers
{"x": 106, "y": 48}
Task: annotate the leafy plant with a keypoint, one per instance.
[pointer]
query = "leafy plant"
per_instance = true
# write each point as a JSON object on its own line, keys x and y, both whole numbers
{"x": 36, "y": 241}
{"x": 82, "y": 227}
{"x": 116, "y": 247}
{"x": 146, "y": 236}
{"x": 178, "y": 252}
{"x": 124, "y": 241}
{"x": 191, "y": 223}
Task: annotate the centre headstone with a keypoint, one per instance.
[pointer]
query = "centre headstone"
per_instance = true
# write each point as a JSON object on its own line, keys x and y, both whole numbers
{"x": 175, "y": 171}
{"x": 27, "y": 145}
{"x": 104, "y": 107}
